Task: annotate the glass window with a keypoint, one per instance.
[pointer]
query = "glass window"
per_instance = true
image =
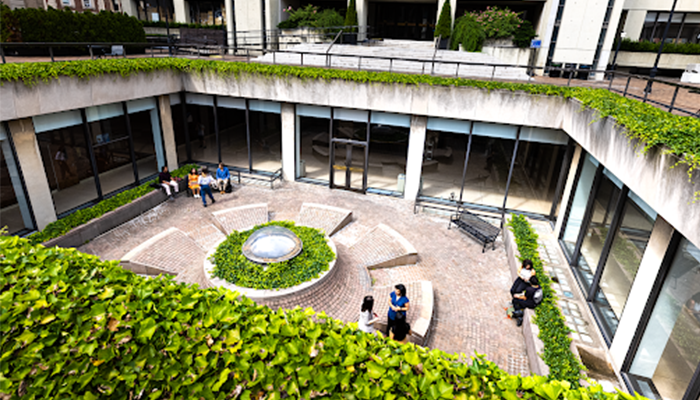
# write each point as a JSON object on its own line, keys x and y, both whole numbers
{"x": 265, "y": 136}
{"x": 443, "y": 161}
{"x": 578, "y": 205}
{"x": 110, "y": 141}
{"x": 669, "y": 352}
{"x": 312, "y": 142}
{"x": 200, "y": 123}
{"x": 599, "y": 226}
{"x": 388, "y": 148}
{"x": 64, "y": 152}
{"x": 628, "y": 246}
{"x": 148, "y": 142}
{"x": 15, "y": 213}
{"x": 232, "y": 132}
{"x": 176, "y": 109}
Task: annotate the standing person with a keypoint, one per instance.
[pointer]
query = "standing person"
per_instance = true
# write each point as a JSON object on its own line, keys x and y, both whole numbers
{"x": 167, "y": 181}
{"x": 367, "y": 317}
{"x": 193, "y": 182}
{"x": 398, "y": 304}
{"x": 205, "y": 181}
{"x": 223, "y": 177}
{"x": 531, "y": 297}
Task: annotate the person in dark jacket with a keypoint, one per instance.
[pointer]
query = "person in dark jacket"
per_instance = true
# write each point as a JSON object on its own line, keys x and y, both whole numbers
{"x": 167, "y": 181}
{"x": 529, "y": 298}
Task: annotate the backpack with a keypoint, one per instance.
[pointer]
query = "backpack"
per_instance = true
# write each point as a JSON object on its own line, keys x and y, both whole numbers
{"x": 537, "y": 297}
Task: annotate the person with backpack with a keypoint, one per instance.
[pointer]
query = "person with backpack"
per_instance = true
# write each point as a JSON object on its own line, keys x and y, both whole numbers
{"x": 531, "y": 297}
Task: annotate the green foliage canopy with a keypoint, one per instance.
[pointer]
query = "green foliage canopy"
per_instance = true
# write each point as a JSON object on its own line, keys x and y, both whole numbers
{"x": 232, "y": 266}
{"x": 311, "y": 16}
{"x": 469, "y": 33}
{"x": 444, "y": 24}
{"x": 351, "y": 15}
{"x": 498, "y": 23}
{"x": 72, "y": 326}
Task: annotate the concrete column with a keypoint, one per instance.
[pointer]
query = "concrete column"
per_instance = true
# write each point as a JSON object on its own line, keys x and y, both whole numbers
{"x": 228, "y": 4}
{"x": 288, "y": 141}
{"x": 362, "y": 7}
{"x": 414, "y": 161}
{"x": 166, "y": 119}
{"x": 29, "y": 159}
{"x": 641, "y": 290}
{"x": 568, "y": 192}
{"x": 182, "y": 11}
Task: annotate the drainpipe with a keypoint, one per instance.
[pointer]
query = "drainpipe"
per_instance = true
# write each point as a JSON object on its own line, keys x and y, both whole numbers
{"x": 264, "y": 28}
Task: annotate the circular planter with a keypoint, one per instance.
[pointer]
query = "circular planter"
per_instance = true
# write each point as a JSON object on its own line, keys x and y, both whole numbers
{"x": 267, "y": 294}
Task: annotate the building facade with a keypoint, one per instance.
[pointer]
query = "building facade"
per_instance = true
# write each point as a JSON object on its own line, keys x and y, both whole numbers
{"x": 626, "y": 222}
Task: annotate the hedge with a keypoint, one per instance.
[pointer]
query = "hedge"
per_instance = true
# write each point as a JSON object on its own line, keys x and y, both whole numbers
{"x": 231, "y": 265}
{"x": 82, "y": 216}
{"x": 51, "y": 25}
{"x": 174, "y": 25}
{"x": 72, "y": 326}
{"x": 562, "y": 363}
{"x": 644, "y": 46}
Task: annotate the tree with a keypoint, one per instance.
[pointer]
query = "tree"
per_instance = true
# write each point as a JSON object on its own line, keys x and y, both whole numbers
{"x": 351, "y": 16}
{"x": 444, "y": 25}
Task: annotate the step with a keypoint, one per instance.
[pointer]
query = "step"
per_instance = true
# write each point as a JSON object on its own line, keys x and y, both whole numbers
{"x": 241, "y": 218}
{"x": 383, "y": 247}
{"x": 169, "y": 252}
{"x": 326, "y": 218}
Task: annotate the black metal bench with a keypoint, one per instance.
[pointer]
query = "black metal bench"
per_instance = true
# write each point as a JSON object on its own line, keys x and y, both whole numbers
{"x": 473, "y": 225}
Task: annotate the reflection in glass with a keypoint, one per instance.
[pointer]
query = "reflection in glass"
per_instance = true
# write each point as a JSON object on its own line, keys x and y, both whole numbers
{"x": 443, "y": 163}
{"x": 14, "y": 209}
{"x": 266, "y": 140}
{"x": 623, "y": 261}
{"x": 578, "y": 205}
{"x": 232, "y": 137}
{"x": 61, "y": 140}
{"x": 312, "y": 143}
{"x": 487, "y": 172}
{"x": 179, "y": 130}
{"x": 200, "y": 122}
{"x": 388, "y": 147}
{"x": 110, "y": 142}
{"x": 144, "y": 127}
{"x": 669, "y": 351}
{"x": 535, "y": 175}
{"x": 597, "y": 230}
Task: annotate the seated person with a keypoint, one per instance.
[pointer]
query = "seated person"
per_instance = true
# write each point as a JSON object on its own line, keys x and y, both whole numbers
{"x": 223, "y": 177}
{"x": 167, "y": 181}
{"x": 525, "y": 272}
{"x": 193, "y": 179}
{"x": 400, "y": 330}
{"x": 529, "y": 298}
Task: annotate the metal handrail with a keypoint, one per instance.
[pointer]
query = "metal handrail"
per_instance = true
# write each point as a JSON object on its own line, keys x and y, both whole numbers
{"x": 328, "y": 64}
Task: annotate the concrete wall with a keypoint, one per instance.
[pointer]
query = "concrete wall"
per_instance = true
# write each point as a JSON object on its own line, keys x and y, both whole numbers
{"x": 637, "y": 11}
{"x": 646, "y": 60}
{"x": 579, "y": 31}
{"x": 650, "y": 176}
{"x": 509, "y": 55}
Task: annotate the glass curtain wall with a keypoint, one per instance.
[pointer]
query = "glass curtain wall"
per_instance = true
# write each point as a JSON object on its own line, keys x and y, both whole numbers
{"x": 147, "y": 137}
{"x": 64, "y": 152}
{"x": 110, "y": 143}
{"x": 628, "y": 245}
{"x": 536, "y": 169}
{"x": 577, "y": 210}
{"x": 489, "y": 163}
{"x": 388, "y": 148}
{"x": 176, "y": 109}
{"x": 669, "y": 351}
{"x": 350, "y": 124}
{"x": 444, "y": 154}
{"x": 265, "y": 135}
{"x": 15, "y": 213}
{"x": 232, "y": 132}
{"x": 200, "y": 124}
{"x": 312, "y": 124}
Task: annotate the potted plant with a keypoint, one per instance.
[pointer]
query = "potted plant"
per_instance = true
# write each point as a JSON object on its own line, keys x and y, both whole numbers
{"x": 350, "y": 34}
{"x": 443, "y": 30}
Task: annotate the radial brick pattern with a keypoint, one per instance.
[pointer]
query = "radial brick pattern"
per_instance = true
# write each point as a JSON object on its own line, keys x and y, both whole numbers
{"x": 206, "y": 235}
{"x": 319, "y": 216}
{"x": 241, "y": 218}
{"x": 171, "y": 251}
{"x": 384, "y": 247}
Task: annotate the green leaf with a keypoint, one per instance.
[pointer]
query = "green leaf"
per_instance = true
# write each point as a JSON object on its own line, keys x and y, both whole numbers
{"x": 146, "y": 329}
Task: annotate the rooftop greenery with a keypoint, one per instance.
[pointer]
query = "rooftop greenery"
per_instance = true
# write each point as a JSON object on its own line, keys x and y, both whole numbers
{"x": 650, "y": 125}
{"x": 72, "y": 326}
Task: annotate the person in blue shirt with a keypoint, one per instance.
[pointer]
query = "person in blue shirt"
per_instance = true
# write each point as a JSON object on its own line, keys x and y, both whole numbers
{"x": 398, "y": 304}
{"x": 223, "y": 177}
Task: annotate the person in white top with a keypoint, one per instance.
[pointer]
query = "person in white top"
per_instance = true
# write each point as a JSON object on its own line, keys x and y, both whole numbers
{"x": 367, "y": 317}
{"x": 205, "y": 181}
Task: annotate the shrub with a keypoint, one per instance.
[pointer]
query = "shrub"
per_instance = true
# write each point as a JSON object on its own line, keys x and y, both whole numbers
{"x": 85, "y": 215}
{"x": 72, "y": 326}
{"x": 444, "y": 24}
{"x": 174, "y": 25}
{"x": 498, "y": 23}
{"x": 311, "y": 16}
{"x": 351, "y": 15}
{"x": 563, "y": 364}
{"x": 524, "y": 34}
{"x": 646, "y": 46}
{"x": 232, "y": 266}
{"x": 469, "y": 33}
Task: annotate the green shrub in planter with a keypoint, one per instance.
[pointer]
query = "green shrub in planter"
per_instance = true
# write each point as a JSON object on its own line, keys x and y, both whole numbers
{"x": 443, "y": 28}
{"x": 351, "y": 16}
{"x": 232, "y": 266}
{"x": 469, "y": 33}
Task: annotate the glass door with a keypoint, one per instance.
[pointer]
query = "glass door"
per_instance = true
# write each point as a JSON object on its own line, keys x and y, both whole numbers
{"x": 349, "y": 165}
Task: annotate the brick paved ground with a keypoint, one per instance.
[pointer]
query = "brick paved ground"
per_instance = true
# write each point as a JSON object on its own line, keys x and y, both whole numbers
{"x": 470, "y": 288}
{"x": 378, "y": 246}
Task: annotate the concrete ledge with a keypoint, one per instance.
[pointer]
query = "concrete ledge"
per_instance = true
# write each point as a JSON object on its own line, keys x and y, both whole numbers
{"x": 148, "y": 243}
{"x": 409, "y": 253}
{"x": 533, "y": 344}
{"x": 335, "y": 219}
{"x": 235, "y": 219}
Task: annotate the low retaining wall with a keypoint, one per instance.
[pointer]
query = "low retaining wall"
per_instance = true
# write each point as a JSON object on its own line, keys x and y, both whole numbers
{"x": 82, "y": 234}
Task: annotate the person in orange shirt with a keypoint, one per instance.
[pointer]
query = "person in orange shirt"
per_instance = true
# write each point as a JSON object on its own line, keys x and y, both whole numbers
{"x": 192, "y": 182}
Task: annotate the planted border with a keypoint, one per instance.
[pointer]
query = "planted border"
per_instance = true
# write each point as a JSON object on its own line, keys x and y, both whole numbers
{"x": 232, "y": 266}
{"x": 651, "y": 125}
{"x": 562, "y": 363}
{"x": 72, "y": 326}
{"x": 82, "y": 216}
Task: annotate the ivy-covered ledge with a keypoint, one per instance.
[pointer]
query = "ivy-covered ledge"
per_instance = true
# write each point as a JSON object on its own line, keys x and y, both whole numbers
{"x": 615, "y": 130}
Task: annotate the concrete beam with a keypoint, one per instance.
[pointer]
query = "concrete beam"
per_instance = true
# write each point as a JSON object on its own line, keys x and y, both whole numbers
{"x": 166, "y": 119}
{"x": 29, "y": 158}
